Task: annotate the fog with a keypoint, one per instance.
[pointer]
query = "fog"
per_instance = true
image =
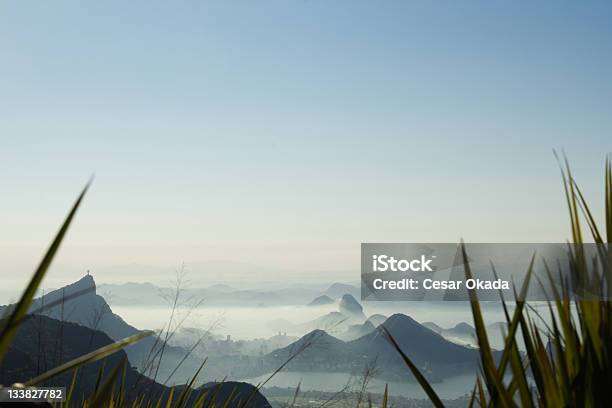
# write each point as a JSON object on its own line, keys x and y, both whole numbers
{"x": 245, "y": 323}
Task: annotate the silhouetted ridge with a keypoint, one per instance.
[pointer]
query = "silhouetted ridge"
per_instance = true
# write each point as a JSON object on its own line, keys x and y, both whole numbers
{"x": 238, "y": 392}
{"x": 91, "y": 310}
{"x": 350, "y": 307}
{"x": 338, "y": 289}
{"x": 43, "y": 343}
{"x": 463, "y": 327}
{"x": 321, "y": 300}
{"x": 436, "y": 356}
{"x": 419, "y": 343}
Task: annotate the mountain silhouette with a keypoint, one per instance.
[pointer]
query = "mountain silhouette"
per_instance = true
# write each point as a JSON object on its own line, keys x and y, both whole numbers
{"x": 338, "y": 289}
{"x": 238, "y": 392}
{"x": 79, "y": 303}
{"x": 422, "y": 345}
{"x": 377, "y": 319}
{"x": 356, "y": 331}
{"x": 42, "y": 343}
{"x": 321, "y": 300}
{"x": 349, "y": 306}
{"x": 461, "y": 333}
{"x": 331, "y": 322}
{"x": 437, "y": 357}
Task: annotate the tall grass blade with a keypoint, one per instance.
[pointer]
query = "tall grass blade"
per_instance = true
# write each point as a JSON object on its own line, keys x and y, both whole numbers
{"x": 493, "y": 379}
{"x": 182, "y": 400}
{"x": 385, "y": 399}
{"x": 296, "y": 393}
{"x": 9, "y": 329}
{"x": 71, "y": 389}
{"x": 104, "y": 394}
{"x": 433, "y": 397}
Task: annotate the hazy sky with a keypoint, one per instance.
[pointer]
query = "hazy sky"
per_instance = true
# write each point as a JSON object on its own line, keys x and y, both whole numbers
{"x": 284, "y": 133}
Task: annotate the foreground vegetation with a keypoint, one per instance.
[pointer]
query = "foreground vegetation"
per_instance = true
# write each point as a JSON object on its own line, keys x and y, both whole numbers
{"x": 569, "y": 363}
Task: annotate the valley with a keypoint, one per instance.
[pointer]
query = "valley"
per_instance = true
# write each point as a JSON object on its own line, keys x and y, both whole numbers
{"x": 327, "y": 334}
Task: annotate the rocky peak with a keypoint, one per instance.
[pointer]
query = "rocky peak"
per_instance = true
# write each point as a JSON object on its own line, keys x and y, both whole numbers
{"x": 350, "y": 307}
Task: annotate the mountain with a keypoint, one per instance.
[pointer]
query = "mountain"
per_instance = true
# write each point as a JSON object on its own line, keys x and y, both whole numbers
{"x": 350, "y": 312}
{"x": 79, "y": 303}
{"x": 461, "y": 333}
{"x": 437, "y": 357}
{"x": 497, "y": 333}
{"x": 434, "y": 327}
{"x": 464, "y": 328}
{"x": 142, "y": 294}
{"x": 312, "y": 352}
{"x": 131, "y": 293}
{"x": 350, "y": 307}
{"x": 42, "y": 343}
{"x": 356, "y": 331}
{"x": 220, "y": 287}
{"x": 321, "y": 300}
{"x": 218, "y": 393}
{"x": 419, "y": 343}
{"x": 338, "y": 289}
{"x": 331, "y": 322}
{"x": 377, "y": 319}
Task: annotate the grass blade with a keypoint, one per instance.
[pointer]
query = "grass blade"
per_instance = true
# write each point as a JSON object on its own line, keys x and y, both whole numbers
{"x": 435, "y": 400}
{"x": 9, "y": 329}
{"x": 385, "y": 397}
{"x": 492, "y": 376}
{"x": 105, "y": 393}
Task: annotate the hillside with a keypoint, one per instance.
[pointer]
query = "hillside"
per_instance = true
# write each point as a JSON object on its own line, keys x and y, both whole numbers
{"x": 43, "y": 343}
{"x": 79, "y": 303}
{"x": 438, "y": 357}
{"x": 86, "y": 307}
{"x": 349, "y": 306}
{"x": 356, "y": 331}
{"x": 421, "y": 344}
{"x": 461, "y": 333}
{"x": 321, "y": 300}
{"x": 336, "y": 290}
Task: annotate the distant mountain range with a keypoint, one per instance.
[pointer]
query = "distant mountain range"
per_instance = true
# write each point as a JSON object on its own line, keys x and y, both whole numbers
{"x": 332, "y": 322}
{"x": 461, "y": 333}
{"x": 321, "y": 300}
{"x": 377, "y": 319}
{"x": 465, "y": 334}
{"x": 356, "y": 331}
{"x": 349, "y": 316}
{"x": 145, "y": 294}
{"x": 337, "y": 290}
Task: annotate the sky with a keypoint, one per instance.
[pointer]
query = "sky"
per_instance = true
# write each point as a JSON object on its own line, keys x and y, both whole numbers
{"x": 265, "y": 140}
